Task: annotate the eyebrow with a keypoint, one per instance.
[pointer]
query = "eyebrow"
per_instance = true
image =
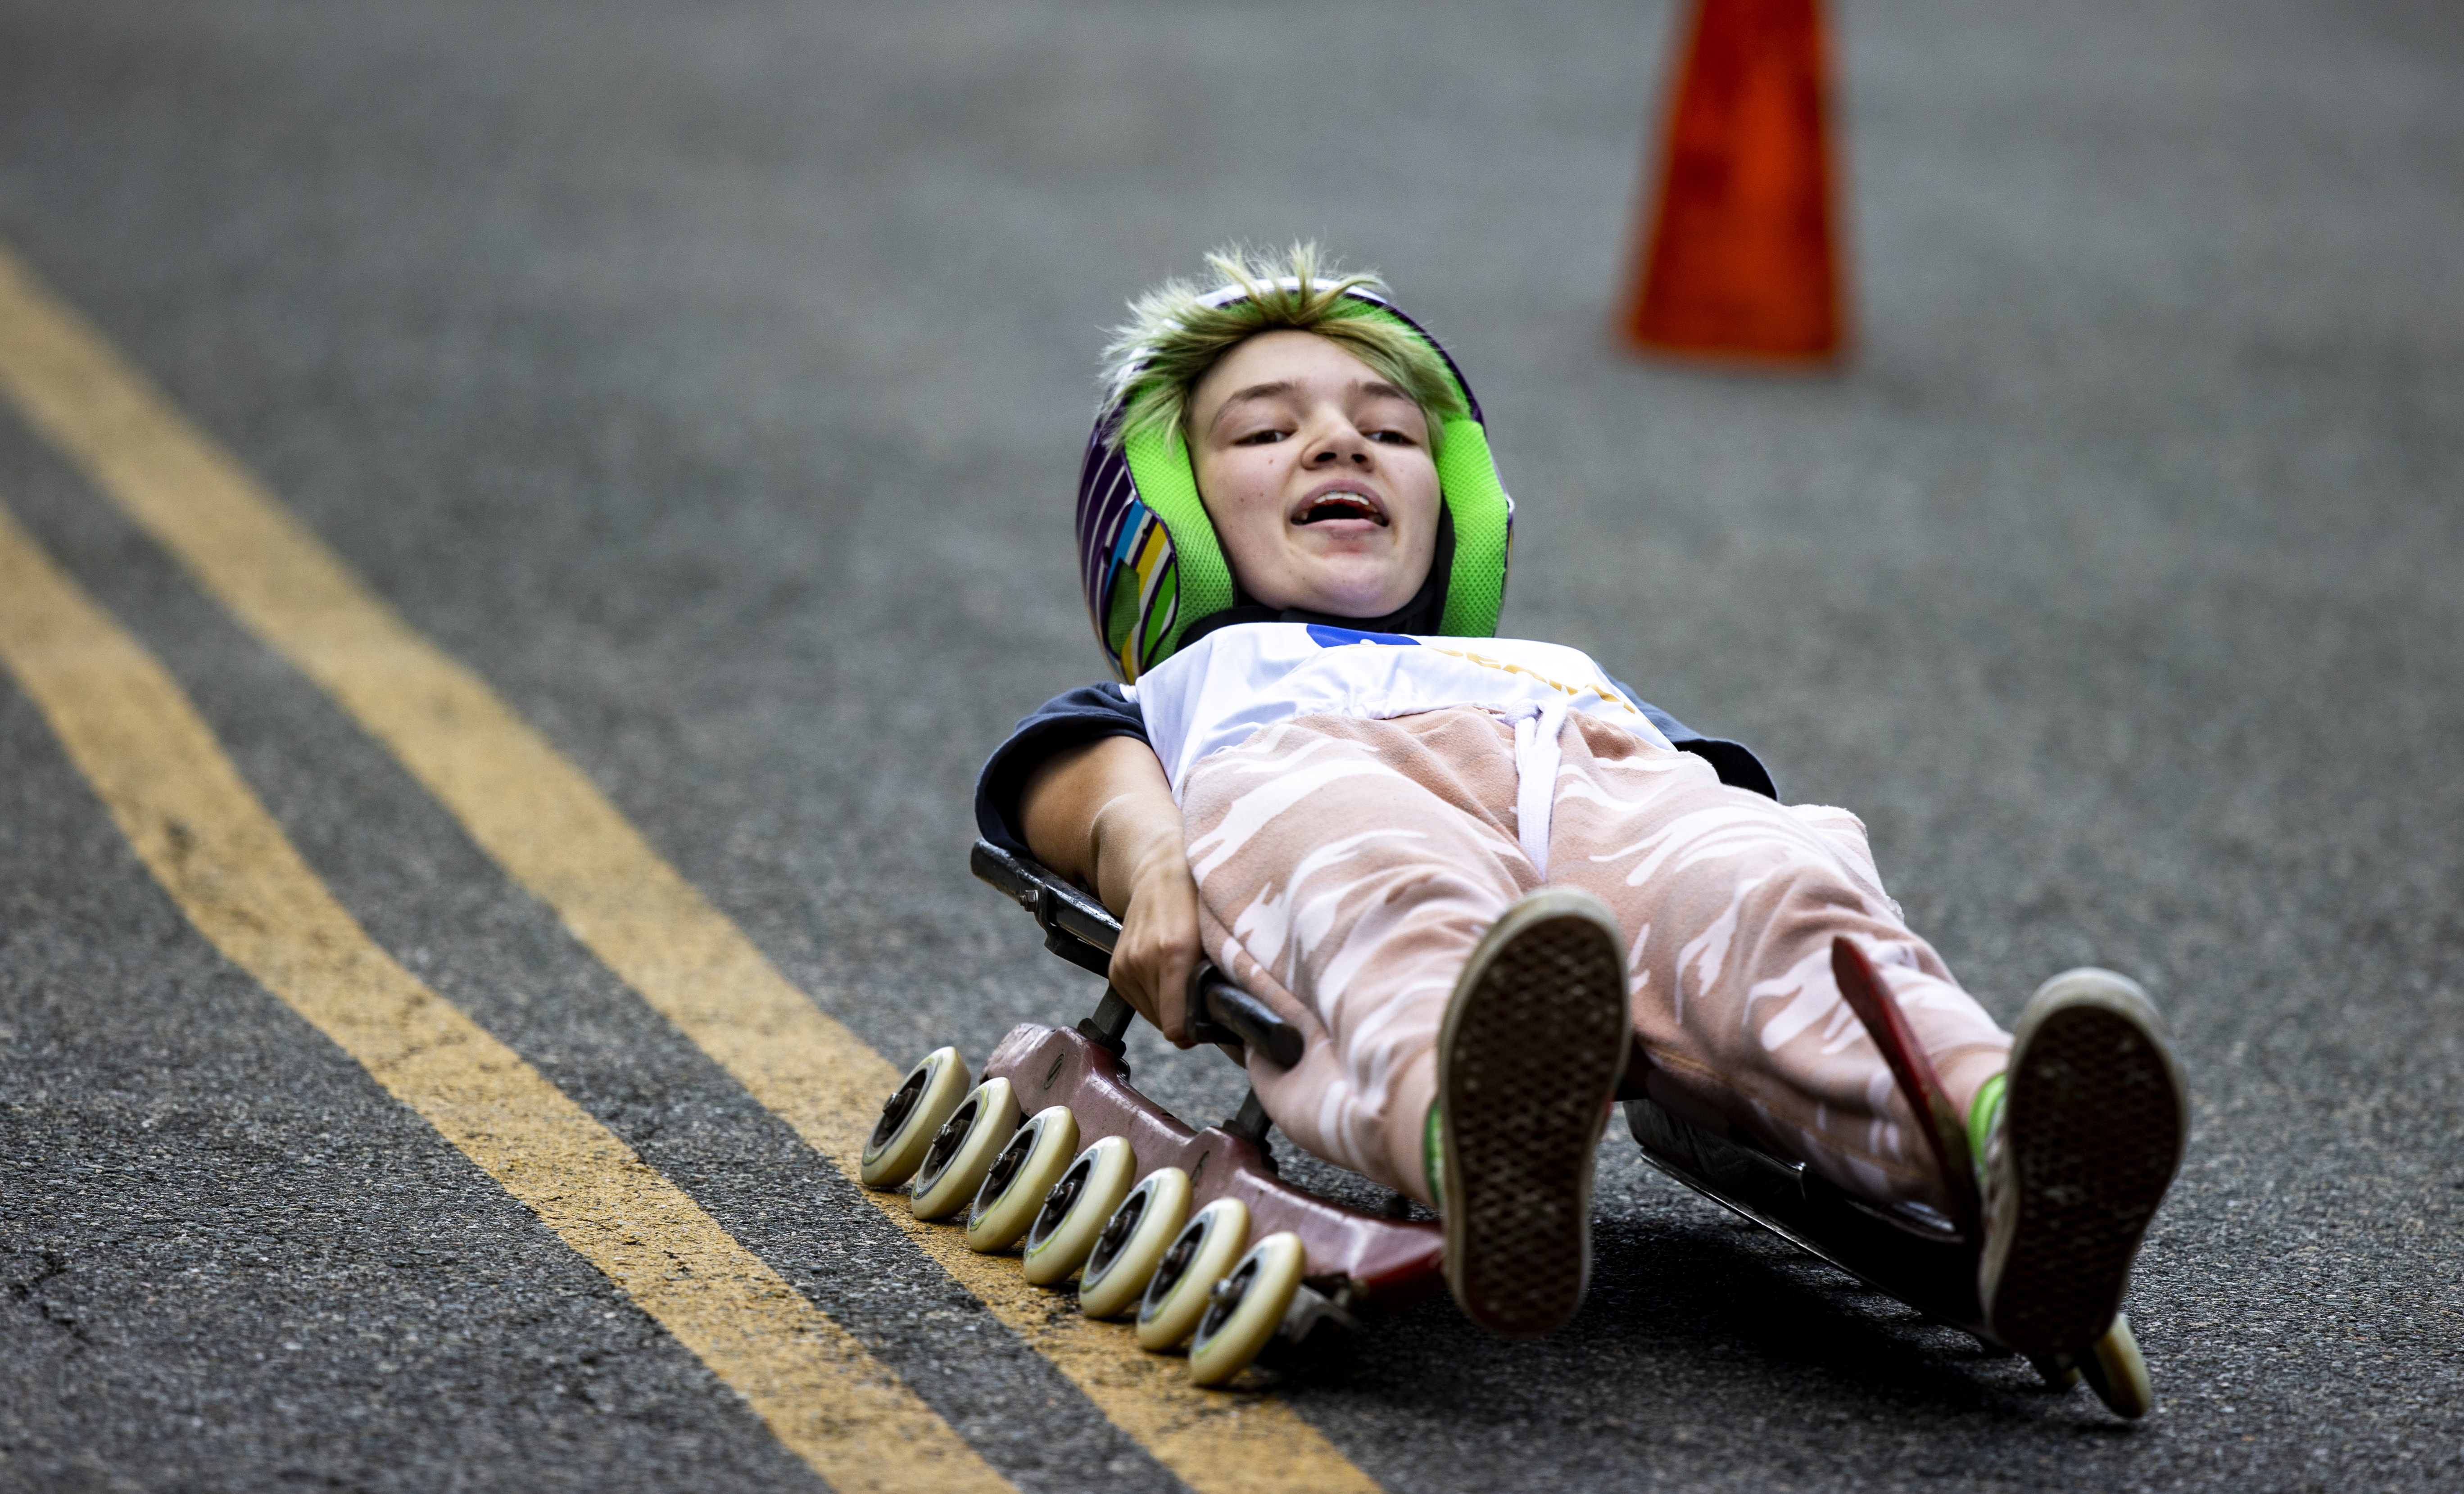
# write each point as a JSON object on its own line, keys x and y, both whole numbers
{"x": 1281, "y": 386}
{"x": 1255, "y": 391}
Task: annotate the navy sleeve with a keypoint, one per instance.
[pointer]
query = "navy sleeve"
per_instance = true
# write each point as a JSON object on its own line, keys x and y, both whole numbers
{"x": 1074, "y": 719}
{"x": 1737, "y": 767}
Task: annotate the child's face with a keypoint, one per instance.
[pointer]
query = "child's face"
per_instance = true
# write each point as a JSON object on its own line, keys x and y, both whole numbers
{"x": 1318, "y": 476}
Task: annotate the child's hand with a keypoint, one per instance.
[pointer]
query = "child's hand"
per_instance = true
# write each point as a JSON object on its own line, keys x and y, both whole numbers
{"x": 1156, "y": 959}
{"x": 1103, "y": 816}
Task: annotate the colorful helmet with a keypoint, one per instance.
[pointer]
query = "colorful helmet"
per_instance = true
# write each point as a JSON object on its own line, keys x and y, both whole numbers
{"x": 1152, "y": 568}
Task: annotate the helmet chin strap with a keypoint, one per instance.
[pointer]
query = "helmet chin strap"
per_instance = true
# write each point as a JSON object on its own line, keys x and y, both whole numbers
{"x": 1424, "y": 614}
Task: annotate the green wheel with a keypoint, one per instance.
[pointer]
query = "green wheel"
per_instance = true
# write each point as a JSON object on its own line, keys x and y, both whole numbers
{"x": 1075, "y": 1211}
{"x": 1201, "y": 1255}
{"x": 1245, "y": 1309}
{"x": 963, "y": 1149}
{"x": 1132, "y": 1242}
{"x": 1014, "y": 1186}
{"x": 912, "y": 1116}
{"x": 2113, "y": 1368}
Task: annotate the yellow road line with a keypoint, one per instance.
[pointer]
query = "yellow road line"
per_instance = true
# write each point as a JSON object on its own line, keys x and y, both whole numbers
{"x": 157, "y": 768}
{"x": 552, "y": 831}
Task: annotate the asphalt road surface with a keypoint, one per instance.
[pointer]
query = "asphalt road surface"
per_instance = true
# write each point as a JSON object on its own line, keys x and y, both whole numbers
{"x": 704, "y": 383}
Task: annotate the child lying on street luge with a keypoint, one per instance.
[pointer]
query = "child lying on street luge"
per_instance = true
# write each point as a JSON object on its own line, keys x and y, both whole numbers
{"x": 1472, "y": 869}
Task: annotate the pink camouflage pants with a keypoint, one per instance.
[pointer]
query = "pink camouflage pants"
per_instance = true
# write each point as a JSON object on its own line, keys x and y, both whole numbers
{"x": 1346, "y": 867}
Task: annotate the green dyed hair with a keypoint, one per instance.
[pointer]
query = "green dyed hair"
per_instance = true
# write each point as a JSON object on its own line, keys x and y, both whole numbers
{"x": 1176, "y": 333}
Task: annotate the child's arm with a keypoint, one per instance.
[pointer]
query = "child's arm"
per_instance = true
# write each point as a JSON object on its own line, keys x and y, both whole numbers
{"x": 1102, "y": 815}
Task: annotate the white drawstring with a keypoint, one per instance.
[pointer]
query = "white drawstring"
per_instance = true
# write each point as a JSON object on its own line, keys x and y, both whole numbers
{"x": 1536, "y": 758}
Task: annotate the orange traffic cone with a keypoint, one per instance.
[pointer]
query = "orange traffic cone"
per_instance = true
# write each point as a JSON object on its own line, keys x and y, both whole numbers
{"x": 1741, "y": 261}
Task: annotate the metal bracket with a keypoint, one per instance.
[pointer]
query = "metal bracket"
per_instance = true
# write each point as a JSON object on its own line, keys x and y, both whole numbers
{"x": 1078, "y": 951}
{"x": 1326, "y": 1303}
{"x": 1108, "y": 1028}
{"x": 1250, "y": 1125}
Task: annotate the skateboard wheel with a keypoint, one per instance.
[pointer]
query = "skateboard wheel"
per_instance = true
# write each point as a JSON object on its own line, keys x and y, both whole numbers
{"x": 2113, "y": 1368}
{"x": 963, "y": 1149}
{"x": 1014, "y": 1186}
{"x": 1244, "y": 1309}
{"x": 1132, "y": 1243}
{"x": 912, "y": 1116}
{"x": 1201, "y": 1255}
{"x": 1077, "y": 1208}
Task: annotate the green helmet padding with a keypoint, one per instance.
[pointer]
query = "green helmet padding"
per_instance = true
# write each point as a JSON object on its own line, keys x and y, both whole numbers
{"x": 1467, "y": 481}
{"x": 1483, "y": 532}
{"x": 1168, "y": 485}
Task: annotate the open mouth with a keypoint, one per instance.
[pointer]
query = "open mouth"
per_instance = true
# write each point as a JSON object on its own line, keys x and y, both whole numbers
{"x": 1328, "y": 506}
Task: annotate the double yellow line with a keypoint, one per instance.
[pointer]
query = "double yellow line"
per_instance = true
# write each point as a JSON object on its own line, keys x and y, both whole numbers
{"x": 211, "y": 844}
{"x": 207, "y": 839}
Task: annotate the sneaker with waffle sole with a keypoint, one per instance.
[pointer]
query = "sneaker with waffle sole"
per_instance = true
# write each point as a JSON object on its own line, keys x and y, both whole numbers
{"x": 2080, "y": 1139}
{"x": 1534, "y": 1040}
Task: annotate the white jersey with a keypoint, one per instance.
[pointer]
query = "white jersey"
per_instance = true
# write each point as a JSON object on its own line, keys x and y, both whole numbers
{"x": 1214, "y": 692}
